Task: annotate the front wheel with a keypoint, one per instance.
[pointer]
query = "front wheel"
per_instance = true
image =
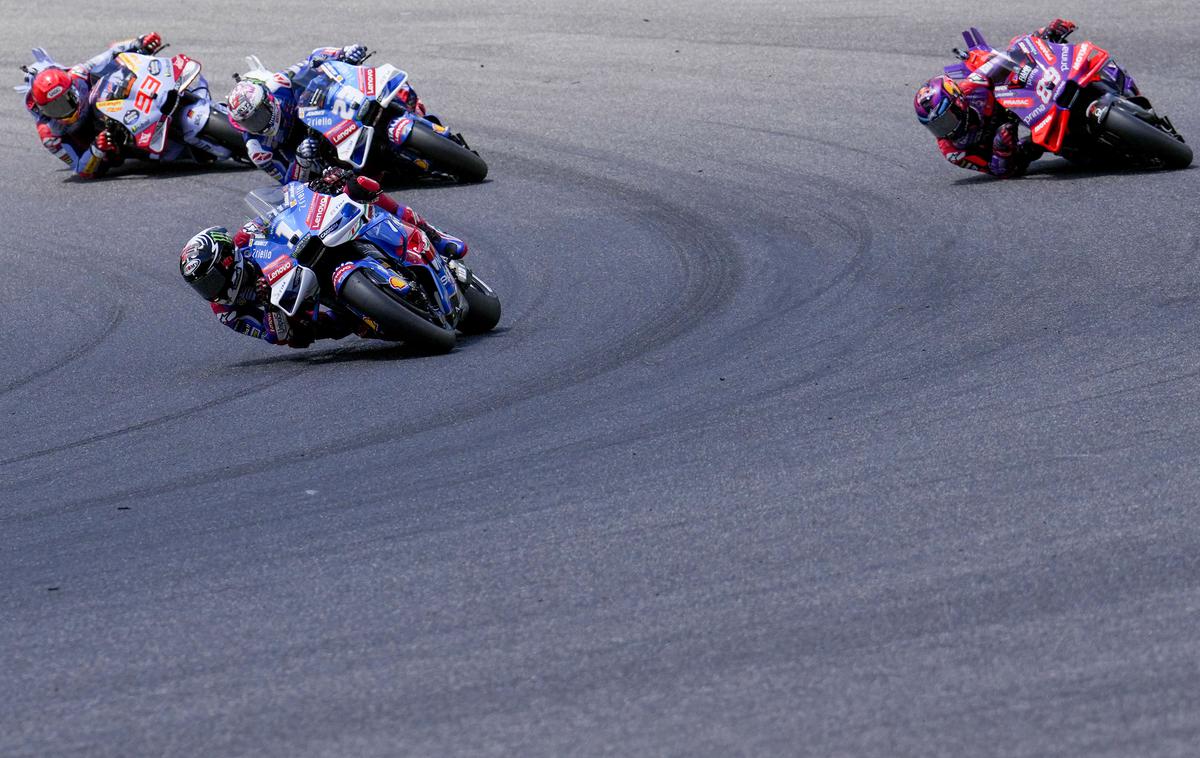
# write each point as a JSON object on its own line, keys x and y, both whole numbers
{"x": 445, "y": 155}
{"x": 396, "y": 318}
{"x": 1137, "y": 134}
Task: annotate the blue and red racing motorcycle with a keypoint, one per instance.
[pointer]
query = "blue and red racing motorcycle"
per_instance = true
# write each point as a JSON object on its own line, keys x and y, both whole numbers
{"x": 361, "y": 261}
{"x": 368, "y": 130}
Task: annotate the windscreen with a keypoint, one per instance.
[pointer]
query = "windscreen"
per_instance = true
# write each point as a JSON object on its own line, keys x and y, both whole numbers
{"x": 265, "y": 202}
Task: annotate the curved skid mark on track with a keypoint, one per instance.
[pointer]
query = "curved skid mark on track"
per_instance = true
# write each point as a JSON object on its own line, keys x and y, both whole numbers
{"x": 876, "y": 157}
{"x": 118, "y": 284}
{"x": 706, "y": 254}
{"x": 70, "y": 357}
{"x": 147, "y": 424}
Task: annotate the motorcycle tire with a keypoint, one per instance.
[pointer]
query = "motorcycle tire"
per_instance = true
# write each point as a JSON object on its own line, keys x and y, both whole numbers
{"x": 219, "y": 130}
{"x": 483, "y": 308}
{"x": 1143, "y": 138}
{"x": 445, "y": 155}
{"x": 397, "y": 319}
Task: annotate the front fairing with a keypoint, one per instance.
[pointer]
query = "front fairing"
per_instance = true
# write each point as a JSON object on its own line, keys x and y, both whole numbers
{"x": 1042, "y": 72}
{"x": 335, "y": 111}
{"x": 1040, "y": 80}
{"x": 141, "y": 94}
{"x": 342, "y": 102}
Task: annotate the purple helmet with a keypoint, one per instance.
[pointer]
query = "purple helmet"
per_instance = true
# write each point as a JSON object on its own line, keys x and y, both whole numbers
{"x": 942, "y": 107}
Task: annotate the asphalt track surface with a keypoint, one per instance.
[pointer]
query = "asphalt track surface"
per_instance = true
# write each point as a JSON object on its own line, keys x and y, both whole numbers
{"x": 794, "y": 439}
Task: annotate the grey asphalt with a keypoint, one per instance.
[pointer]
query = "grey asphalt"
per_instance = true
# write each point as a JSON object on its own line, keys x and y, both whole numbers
{"x": 794, "y": 439}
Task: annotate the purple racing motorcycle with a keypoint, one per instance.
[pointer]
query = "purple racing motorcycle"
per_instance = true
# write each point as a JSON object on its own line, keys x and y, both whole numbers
{"x": 1076, "y": 101}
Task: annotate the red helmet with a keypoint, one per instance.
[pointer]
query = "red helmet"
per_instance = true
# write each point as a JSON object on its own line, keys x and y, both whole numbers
{"x": 54, "y": 94}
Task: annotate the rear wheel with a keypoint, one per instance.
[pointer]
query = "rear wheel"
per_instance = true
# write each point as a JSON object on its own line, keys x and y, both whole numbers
{"x": 483, "y": 308}
{"x": 446, "y": 155}
{"x": 219, "y": 130}
{"x": 397, "y": 319}
{"x": 1140, "y": 134}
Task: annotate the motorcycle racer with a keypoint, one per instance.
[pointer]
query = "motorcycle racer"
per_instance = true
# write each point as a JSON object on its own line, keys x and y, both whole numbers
{"x": 214, "y": 263}
{"x": 265, "y": 113}
{"x": 972, "y": 130}
{"x": 58, "y": 98}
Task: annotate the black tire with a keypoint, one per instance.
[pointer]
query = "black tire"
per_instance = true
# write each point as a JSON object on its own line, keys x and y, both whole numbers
{"x": 1143, "y": 138}
{"x": 396, "y": 318}
{"x": 483, "y": 312}
{"x": 219, "y": 130}
{"x": 445, "y": 155}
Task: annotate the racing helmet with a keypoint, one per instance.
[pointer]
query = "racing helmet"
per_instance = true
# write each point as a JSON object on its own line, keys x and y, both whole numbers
{"x": 53, "y": 92}
{"x": 212, "y": 265}
{"x": 942, "y": 107}
{"x": 253, "y": 109}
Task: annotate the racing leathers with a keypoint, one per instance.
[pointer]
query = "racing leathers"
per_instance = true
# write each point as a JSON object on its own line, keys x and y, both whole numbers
{"x": 990, "y": 142}
{"x": 293, "y": 151}
{"x": 249, "y": 311}
{"x": 80, "y": 141}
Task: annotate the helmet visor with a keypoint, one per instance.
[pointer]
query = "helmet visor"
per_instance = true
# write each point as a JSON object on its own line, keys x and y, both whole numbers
{"x": 63, "y": 106}
{"x": 212, "y": 285}
{"x": 947, "y": 119}
{"x": 258, "y": 120}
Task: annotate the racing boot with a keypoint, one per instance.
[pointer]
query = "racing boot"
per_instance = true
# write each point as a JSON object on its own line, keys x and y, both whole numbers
{"x": 449, "y": 247}
{"x": 363, "y": 189}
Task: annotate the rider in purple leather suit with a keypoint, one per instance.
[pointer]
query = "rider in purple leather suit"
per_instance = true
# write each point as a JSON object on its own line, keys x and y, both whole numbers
{"x": 971, "y": 129}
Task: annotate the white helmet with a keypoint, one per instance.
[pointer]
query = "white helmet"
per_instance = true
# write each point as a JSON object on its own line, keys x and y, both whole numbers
{"x": 253, "y": 109}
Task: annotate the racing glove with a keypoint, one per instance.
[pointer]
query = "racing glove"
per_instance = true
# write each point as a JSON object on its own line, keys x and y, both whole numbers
{"x": 247, "y": 233}
{"x": 50, "y": 140}
{"x": 332, "y": 180}
{"x": 150, "y": 43}
{"x": 354, "y": 54}
{"x": 1057, "y": 30}
{"x": 307, "y": 152}
{"x": 1006, "y": 140}
{"x": 262, "y": 291}
{"x": 105, "y": 144}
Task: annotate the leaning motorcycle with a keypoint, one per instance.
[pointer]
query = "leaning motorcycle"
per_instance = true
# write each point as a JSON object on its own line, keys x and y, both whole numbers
{"x": 1076, "y": 101}
{"x": 355, "y": 109}
{"x": 359, "y": 260}
{"x": 161, "y": 110}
